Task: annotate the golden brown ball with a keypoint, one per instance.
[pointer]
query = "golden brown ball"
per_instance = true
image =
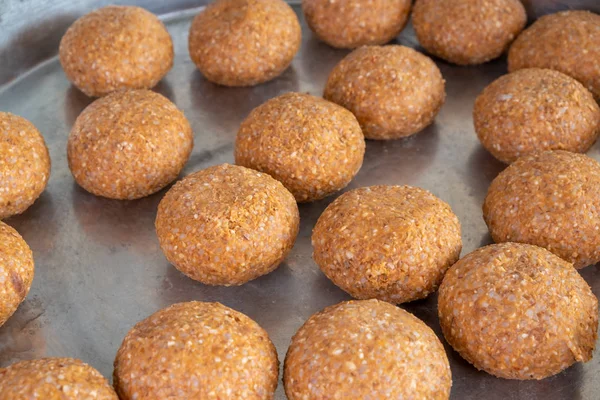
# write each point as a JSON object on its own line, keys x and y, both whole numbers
{"x": 518, "y": 311}
{"x": 351, "y": 24}
{"x": 244, "y": 42}
{"x": 467, "y": 32}
{"x": 394, "y": 91}
{"x": 567, "y": 41}
{"x": 196, "y": 350}
{"x": 312, "y": 146}
{"x": 54, "y": 379}
{"x": 549, "y": 199}
{"x": 24, "y": 164}
{"x": 393, "y": 243}
{"x": 366, "y": 349}
{"x": 226, "y": 225}
{"x": 534, "y": 110}
{"x": 129, "y": 144}
{"x": 16, "y": 271}
{"x": 116, "y": 47}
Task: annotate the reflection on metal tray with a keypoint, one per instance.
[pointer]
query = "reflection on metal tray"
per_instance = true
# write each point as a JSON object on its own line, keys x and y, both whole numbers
{"x": 98, "y": 265}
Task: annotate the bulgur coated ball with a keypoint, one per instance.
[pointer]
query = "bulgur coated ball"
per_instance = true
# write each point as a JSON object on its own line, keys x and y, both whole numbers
{"x": 312, "y": 146}
{"x": 534, "y": 110}
{"x": 244, "y": 42}
{"x": 351, "y": 24}
{"x": 468, "y": 32}
{"x": 129, "y": 144}
{"x": 24, "y": 164}
{"x": 393, "y": 243}
{"x": 394, "y": 91}
{"x": 518, "y": 311}
{"x": 16, "y": 271}
{"x": 116, "y": 47}
{"x": 567, "y": 41}
{"x": 226, "y": 225}
{"x": 54, "y": 379}
{"x": 366, "y": 349}
{"x": 549, "y": 199}
{"x": 196, "y": 350}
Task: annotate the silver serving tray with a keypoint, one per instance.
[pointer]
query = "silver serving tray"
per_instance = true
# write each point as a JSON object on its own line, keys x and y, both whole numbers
{"x": 99, "y": 268}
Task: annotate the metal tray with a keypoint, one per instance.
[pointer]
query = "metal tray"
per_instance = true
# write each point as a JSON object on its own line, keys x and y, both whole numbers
{"x": 99, "y": 268}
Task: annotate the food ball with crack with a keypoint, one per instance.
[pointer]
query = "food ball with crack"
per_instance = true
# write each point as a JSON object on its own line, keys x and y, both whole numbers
{"x": 518, "y": 311}
{"x": 114, "y": 48}
{"x": 312, "y": 146}
{"x": 394, "y": 91}
{"x": 393, "y": 243}
{"x": 366, "y": 349}
{"x": 196, "y": 350}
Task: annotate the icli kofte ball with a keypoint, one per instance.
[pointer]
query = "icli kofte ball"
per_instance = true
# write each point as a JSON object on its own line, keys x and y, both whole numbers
{"x": 196, "y": 350}
{"x": 549, "y": 199}
{"x": 533, "y": 110}
{"x": 313, "y": 146}
{"x": 468, "y": 32}
{"x": 226, "y": 225}
{"x": 129, "y": 144}
{"x": 24, "y": 164}
{"x": 114, "y": 48}
{"x": 54, "y": 379}
{"x": 366, "y": 349}
{"x": 392, "y": 243}
{"x": 244, "y": 42}
{"x": 518, "y": 311}
{"x": 394, "y": 91}
{"x": 351, "y": 24}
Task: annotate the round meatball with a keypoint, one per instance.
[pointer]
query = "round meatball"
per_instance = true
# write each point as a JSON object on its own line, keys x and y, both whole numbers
{"x": 393, "y": 243}
{"x": 54, "y": 379}
{"x": 244, "y": 42}
{"x": 24, "y": 164}
{"x": 549, "y": 199}
{"x": 467, "y": 32}
{"x": 116, "y": 47}
{"x": 568, "y": 42}
{"x": 351, "y": 24}
{"x": 312, "y": 146}
{"x": 16, "y": 271}
{"x": 518, "y": 311}
{"x": 366, "y": 349}
{"x": 226, "y": 225}
{"x": 534, "y": 110}
{"x": 394, "y": 91}
{"x": 196, "y": 350}
{"x": 129, "y": 145}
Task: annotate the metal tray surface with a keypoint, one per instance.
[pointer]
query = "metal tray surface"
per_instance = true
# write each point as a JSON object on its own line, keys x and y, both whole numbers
{"x": 99, "y": 268}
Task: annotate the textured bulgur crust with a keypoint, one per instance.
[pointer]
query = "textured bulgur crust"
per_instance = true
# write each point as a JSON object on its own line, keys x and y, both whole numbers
{"x": 567, "y": 41}
{"x": 468, "y": 32}
{"x": 54, "y": 379}
{"x": 16, "y": 271}
{"x": 129, "y": 144}
{"x": 312, "y": 146}
{"x": 394, "y": 91}
{"x": 549, "y": 199}
{"x": 24, "y": 164}
{"x": 227, "y": 225}
{"x": 518, "y": 311}
{"x": 366, "y": 349}
{"x": 196, "y": 350}
{"x": 351, "y": 24}
{"x": 244, "y": 42}
{"x": 116, "y": 47}
{"x": 393, "y": 243}
{"x": 533, "y": 110}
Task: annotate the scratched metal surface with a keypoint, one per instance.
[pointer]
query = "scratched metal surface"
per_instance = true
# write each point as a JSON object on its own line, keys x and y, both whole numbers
{"x": 99, "y": 268}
